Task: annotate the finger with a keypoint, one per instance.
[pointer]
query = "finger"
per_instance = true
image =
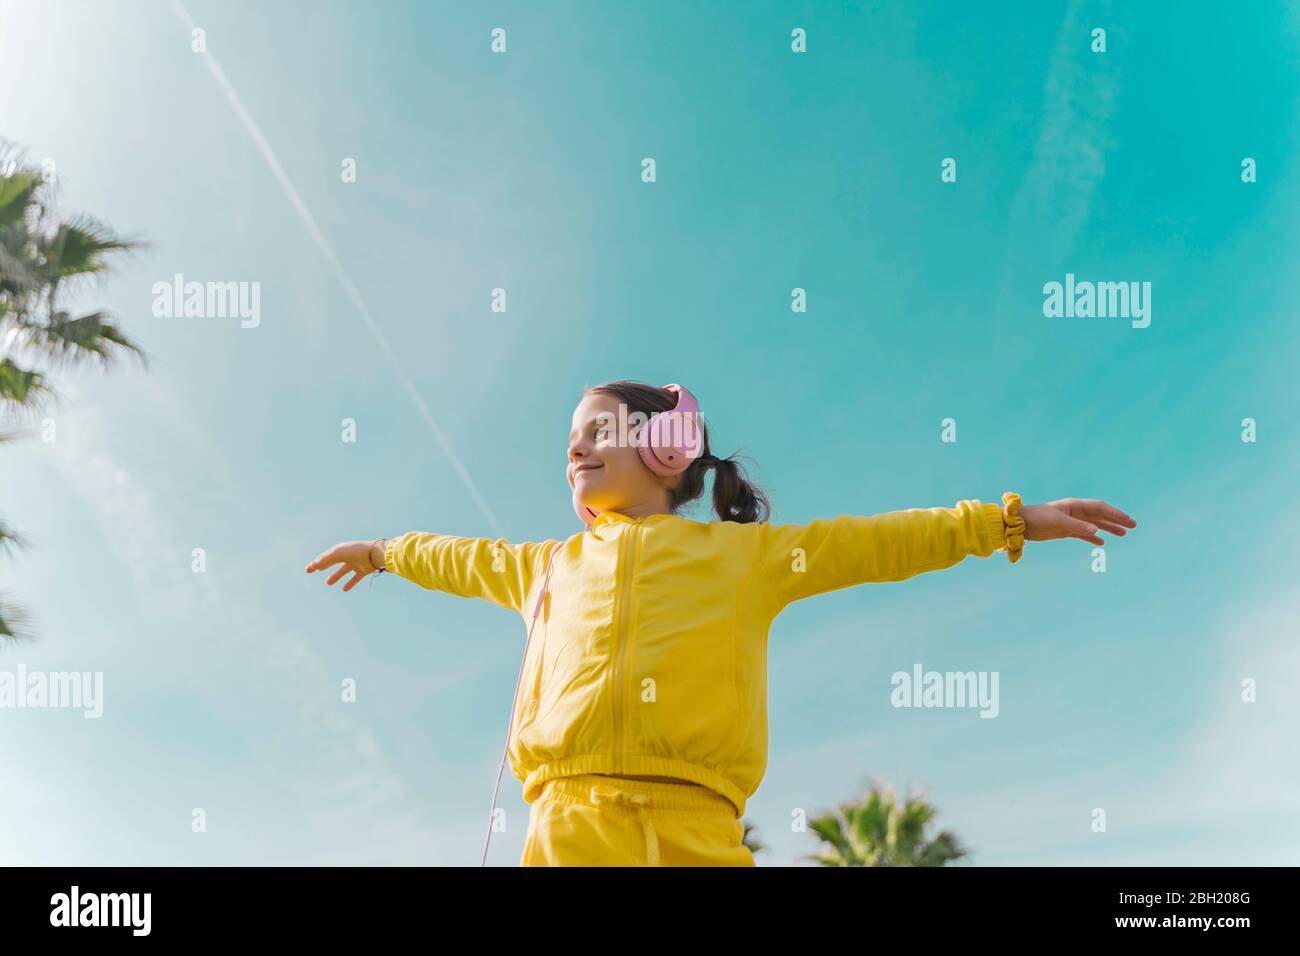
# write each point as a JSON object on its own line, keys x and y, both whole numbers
{"x": 322, "y": 561}
{"x": 1100, "y": 509}
{"x": 1118, "y": 530}
{"x": 333, "y": 578}
{"x": 352, "y": 582}
{"x": 1084, "y": 530}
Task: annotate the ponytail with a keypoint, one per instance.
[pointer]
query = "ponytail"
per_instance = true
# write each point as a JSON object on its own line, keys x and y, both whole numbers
{"x": 734, "y": 497}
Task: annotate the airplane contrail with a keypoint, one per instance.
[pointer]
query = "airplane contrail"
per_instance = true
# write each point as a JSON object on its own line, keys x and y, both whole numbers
{"x": 309, "y": 222}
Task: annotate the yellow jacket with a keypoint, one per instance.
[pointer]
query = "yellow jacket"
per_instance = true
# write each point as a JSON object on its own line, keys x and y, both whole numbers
{"x": 650, "y": 654}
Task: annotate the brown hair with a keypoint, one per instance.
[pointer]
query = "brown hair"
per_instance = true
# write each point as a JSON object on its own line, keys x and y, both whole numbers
{"x": 735, "y": 498}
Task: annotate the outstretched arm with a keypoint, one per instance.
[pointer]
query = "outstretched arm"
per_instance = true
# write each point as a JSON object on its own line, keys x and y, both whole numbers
{"x": 495, "y": 570}
{"x": 826, "y": 555}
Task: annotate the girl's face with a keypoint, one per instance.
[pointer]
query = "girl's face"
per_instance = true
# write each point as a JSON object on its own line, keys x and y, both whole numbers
{"x": 607, "y": 475}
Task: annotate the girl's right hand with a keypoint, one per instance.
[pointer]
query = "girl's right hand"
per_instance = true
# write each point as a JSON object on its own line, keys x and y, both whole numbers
{"x": 361, "y": 558}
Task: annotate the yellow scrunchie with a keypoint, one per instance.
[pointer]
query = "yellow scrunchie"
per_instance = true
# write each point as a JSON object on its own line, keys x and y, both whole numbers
{"x": 1015, "y": 526}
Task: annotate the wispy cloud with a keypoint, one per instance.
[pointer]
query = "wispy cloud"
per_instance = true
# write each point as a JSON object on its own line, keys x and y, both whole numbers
{"x": 354, "y": 294}
{"x": 341, "y": 782}
{"x": 1069, "y": 161}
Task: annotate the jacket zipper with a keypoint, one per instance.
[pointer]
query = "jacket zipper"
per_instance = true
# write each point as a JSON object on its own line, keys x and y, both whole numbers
{"x": 625, "y": 599}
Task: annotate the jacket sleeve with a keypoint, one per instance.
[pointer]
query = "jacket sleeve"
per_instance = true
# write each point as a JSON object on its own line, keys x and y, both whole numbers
{"x": 826, "y": 555}
{"x": 496, "y": 570}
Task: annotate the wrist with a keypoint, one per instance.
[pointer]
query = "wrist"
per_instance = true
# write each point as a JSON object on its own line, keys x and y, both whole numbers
{"x": 377, "y": 549}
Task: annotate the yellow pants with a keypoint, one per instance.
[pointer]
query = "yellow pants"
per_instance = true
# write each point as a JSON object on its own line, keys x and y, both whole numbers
{"x": 595, "y": 820}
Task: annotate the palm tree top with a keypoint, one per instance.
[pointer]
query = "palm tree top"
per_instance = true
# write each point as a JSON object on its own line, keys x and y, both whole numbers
{"x": 879, "y": 830}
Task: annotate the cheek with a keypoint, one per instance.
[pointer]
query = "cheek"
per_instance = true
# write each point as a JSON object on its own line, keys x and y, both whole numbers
{"x": 622, "y": 465}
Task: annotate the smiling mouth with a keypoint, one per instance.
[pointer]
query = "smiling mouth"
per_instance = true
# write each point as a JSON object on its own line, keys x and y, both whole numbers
{"x": 583, "y": 469}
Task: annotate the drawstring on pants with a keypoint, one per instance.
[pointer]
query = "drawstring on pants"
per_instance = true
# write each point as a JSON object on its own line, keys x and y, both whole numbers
{"x": 640, "y": 803}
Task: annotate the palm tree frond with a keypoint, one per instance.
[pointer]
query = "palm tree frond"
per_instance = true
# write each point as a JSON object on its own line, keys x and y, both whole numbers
{"x": 17, "y": 191}
{"x": 90, "y": 335}
{"x": 14, "y": 622}
{"x": 9, "y": 538}
{"x": 21, "y": 386}
{"x": 79, "y": 247}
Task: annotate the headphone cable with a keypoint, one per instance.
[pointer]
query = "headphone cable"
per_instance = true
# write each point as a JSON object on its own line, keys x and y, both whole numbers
{"x": 510, "y": 726}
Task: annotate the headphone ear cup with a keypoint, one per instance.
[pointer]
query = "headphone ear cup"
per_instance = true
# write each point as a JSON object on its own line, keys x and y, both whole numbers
{"x": 652, "y": 461}
{"x": 655, "y": 443}
{"x": 646, "y": 440}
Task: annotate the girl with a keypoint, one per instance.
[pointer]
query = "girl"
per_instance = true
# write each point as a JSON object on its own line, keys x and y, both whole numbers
{"x": 642, "y": 699}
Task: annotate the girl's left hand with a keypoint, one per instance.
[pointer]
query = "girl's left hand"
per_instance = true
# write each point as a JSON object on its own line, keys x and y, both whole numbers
{"x": 1074, "y": 518}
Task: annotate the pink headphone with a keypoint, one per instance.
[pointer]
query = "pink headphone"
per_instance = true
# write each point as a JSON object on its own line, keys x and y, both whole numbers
{"x": 668, "y": 443}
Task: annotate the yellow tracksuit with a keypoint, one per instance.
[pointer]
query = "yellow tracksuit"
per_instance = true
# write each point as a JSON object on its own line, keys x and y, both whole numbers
{"x": 650, "y": 658}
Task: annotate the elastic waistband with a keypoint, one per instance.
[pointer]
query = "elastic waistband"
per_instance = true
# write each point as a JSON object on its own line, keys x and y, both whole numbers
{"x": 654, "y": 794}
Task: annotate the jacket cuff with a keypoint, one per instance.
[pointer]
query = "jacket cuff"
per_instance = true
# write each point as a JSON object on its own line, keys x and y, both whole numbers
{"x": 996, "y": 526}
{"x": 390, "y": 554}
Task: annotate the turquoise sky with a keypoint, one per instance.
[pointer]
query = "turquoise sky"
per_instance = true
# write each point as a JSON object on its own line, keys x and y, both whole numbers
{"x": 820, "y": 171}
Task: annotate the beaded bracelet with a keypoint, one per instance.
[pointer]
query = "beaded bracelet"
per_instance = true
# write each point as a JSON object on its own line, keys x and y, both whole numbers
{"x": 1015, "y": 526}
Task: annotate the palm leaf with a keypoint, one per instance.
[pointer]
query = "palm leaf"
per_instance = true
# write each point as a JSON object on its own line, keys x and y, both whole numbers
{"x": 14, "y": 621}
{"x": 10, "y": 539}
{"x": 94, "y": 335}
{"x": 21, "y": 386}
{"x": 750, "y": 838}
{"x": 17, "y": 191}
{"x": 79, "y": 247}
